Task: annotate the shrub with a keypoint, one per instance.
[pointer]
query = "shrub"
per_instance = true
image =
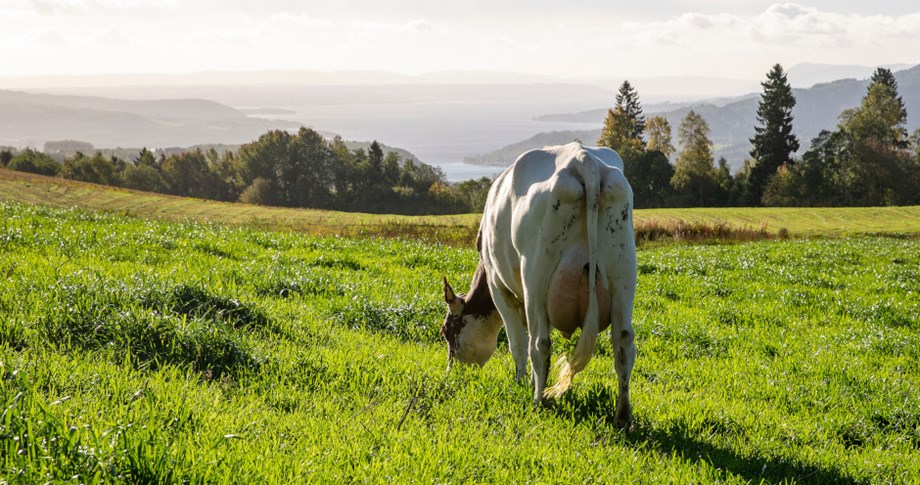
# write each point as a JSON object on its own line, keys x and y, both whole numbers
{"x": 34, "y": 162}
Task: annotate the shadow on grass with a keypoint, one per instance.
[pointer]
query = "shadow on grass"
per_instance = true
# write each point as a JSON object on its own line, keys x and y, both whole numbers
{"x": 596, "y": 406}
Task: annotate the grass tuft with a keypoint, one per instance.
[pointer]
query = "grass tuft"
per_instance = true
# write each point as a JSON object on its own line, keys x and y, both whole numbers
{"x": 412, "y": 321}
{"x": 182, "y": 326}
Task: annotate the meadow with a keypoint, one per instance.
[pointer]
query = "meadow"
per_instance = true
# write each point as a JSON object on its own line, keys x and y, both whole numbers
{"x": 144, "y": 351}
{"x": 652, "y": 225}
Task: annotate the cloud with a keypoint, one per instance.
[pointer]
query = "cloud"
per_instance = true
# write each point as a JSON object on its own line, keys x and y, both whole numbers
{"x": 498, "y": 42}
{"x": 112, "y": 37}
{"x": 59, "y": 7}
{"x": 50, "y": 38}
{"x": 422, "y": 25}
{"x": 416, "y": 37}
{"x": 789, "y": 10}
{"x": 789, "y": 33}
{"x": 698, "y": 20}
{"x": 51, "y": 7}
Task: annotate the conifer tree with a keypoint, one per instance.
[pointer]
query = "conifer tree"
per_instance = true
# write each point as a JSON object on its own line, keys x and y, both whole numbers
{"x": 875, "y": 165}
{"x": 773, "y": 142}
{"x": 628, "y": 99}
{"x": 883, "y": 107}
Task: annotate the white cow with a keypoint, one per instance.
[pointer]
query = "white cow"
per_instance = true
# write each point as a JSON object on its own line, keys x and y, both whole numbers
{"x": 556, "y": 248}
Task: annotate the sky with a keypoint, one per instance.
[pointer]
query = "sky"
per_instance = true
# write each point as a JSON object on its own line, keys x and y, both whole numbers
{"x": 738, "y": 39}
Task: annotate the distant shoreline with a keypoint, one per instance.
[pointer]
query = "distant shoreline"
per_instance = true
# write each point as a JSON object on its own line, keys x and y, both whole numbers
{"x": 265, "y": 111}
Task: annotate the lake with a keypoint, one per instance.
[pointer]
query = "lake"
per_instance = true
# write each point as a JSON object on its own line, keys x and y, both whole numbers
{"x": 441, "y": 133}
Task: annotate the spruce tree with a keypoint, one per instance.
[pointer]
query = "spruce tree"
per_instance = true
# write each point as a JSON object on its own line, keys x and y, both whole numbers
{"x": 773, "y": 142}
{"x": 883, "y": 101}
{"x": 628, "y": 100}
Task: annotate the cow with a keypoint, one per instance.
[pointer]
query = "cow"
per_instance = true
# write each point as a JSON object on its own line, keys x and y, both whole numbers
{"x": 557, "y": 250}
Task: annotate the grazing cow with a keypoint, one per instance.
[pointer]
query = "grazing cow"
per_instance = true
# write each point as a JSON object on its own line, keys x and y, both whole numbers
{"x": 556, "y": 248}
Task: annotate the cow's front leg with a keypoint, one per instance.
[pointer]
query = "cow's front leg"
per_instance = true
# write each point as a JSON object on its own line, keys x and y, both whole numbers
{"x": 517, "y": 343}
{"x": 512, "y": 314}
{"x": 539, "y": 346}
{"x": 540, "y": 350}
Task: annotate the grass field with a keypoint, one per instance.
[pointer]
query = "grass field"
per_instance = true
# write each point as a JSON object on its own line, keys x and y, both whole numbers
{"x": 460, "y": 230}
{"x": 150, "y": 351}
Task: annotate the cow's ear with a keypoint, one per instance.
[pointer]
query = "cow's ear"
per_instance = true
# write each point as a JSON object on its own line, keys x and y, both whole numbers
{"x": 454, "y": 304}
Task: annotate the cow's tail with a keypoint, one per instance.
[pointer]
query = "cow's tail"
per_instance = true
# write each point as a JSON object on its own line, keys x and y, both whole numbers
{"x": 584, "y": 348}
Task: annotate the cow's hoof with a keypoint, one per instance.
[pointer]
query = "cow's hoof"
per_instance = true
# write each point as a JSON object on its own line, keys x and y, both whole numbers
{"x": 624, "y": 422}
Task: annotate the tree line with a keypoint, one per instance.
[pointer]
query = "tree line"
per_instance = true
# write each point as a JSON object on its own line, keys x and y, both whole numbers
{"x": 867, "y": 160}
{"x": 300, "y": 169}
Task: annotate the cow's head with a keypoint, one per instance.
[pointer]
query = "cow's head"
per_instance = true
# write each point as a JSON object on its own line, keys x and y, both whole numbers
{"x": 470, "y": 328}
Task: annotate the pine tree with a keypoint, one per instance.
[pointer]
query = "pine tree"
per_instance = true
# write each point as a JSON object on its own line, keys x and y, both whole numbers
{"x": 884, "y": 77}
{"x": 146, "y": 158}
{"x": 773, "y": 142}
{"x": 885, "y": 107}
{"x": 628, "y": 99}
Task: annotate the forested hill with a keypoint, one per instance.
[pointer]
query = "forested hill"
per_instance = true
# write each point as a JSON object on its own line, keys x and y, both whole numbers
{"x": 732, "y": 124}
{"x": 33, "y": 119}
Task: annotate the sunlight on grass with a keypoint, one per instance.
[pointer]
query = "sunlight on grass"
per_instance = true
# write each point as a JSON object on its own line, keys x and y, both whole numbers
{"x": 144, "y": 351}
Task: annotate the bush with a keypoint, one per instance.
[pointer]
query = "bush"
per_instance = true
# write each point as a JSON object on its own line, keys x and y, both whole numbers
{"x": 262, "y": 192}
{"x": 34, "y": 162}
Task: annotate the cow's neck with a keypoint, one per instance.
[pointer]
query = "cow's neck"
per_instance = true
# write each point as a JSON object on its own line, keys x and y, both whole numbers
{"x": 483, "y": 319}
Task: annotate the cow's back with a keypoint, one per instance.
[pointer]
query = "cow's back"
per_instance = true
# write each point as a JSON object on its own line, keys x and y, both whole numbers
{"x": 538, "y": 206}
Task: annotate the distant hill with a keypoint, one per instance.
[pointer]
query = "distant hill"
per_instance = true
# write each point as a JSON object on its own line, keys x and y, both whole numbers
{"x": 121, "y": 127}
{"x": 33, "y": 119}
{"x": 596, "y": 116}
{"x": 806, "y": 75}
{"x": 732, "y": 123}
{"x": 365, "y": 145}
{"x": 508, "y": 154}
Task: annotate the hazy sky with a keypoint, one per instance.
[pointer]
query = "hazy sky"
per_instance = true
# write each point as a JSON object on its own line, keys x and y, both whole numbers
{"x": 729, "y": 38}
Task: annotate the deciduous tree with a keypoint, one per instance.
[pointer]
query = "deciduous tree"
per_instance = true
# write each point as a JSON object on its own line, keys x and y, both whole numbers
{"x": 659, "y": 135}
{"x": 617, "y": 134}
{"x": 694, "y": 173}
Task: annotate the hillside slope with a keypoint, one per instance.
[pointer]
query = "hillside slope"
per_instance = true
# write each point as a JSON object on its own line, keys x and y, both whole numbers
{"x": 455, "y": 229}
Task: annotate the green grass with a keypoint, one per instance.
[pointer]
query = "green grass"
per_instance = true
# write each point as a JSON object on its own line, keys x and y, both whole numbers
{"x": 57, "y": 192}
{"x": 144, "y": 351}
{"x": 798, "y": 221}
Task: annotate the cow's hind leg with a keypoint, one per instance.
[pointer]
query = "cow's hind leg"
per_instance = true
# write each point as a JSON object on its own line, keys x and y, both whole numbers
{"x": 621, "y": 270}
{"x": 624, "y": 348}
{"x": 515, "y": 327}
